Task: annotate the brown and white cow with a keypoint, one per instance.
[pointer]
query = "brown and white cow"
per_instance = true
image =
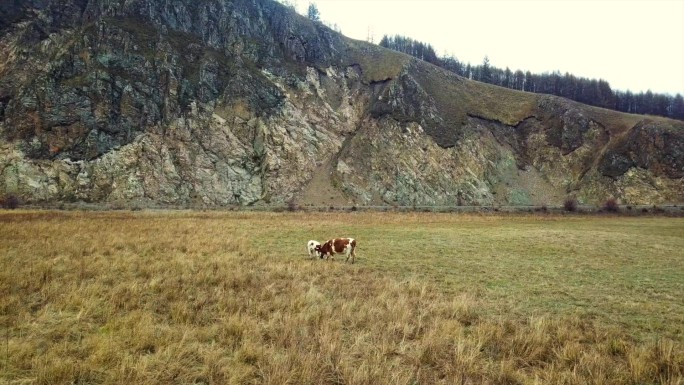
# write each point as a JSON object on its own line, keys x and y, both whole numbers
{"x": 334, "y": 246}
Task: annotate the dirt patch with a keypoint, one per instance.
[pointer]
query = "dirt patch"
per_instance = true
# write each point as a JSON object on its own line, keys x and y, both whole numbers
{"x": 320, "y": 191}
{"x": 541, "y": 191}
{"x": 527, "y": 187}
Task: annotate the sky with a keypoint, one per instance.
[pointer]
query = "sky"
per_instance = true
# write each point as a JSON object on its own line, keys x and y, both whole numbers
{"x": 635, "y": 45}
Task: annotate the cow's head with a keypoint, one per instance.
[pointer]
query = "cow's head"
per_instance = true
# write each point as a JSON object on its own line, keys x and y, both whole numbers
{"x": 319, "y": 251}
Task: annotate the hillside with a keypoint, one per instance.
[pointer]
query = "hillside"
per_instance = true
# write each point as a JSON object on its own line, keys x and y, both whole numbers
{"x": 245, "y": 102}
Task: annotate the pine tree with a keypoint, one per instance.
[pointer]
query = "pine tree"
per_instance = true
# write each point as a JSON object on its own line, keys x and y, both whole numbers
{"x": 486, "y": 72}
{"x": 312, "y": 12}
{"x": 518, "y": 80}
{"x": 508, "y": 78}
{"x": 677, "y": 107}
{"x": 452, "y": 64}
{"x": 528, "y": 84}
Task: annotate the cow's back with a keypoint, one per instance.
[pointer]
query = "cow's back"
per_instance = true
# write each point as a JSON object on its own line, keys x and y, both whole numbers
{"x": 340, "y": 244}
{"x": 334, "y": 246}
{"x": 343, "y": 245}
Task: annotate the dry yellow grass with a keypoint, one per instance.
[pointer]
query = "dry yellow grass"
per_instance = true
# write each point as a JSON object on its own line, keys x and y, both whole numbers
{"x": 214, "y": 298}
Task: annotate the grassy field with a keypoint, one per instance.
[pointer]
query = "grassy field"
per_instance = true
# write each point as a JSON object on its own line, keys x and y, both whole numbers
{"x": 230, "y": 297}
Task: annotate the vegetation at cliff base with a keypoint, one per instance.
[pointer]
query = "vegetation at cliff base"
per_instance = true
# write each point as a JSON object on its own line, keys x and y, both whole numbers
{"x": 231, "y": 298}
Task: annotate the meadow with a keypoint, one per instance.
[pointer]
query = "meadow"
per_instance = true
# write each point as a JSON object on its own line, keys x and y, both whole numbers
{"x": 190, "y": 297}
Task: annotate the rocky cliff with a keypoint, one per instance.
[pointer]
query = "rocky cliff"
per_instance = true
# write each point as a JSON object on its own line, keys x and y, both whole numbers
{"x": 220, "y": 102}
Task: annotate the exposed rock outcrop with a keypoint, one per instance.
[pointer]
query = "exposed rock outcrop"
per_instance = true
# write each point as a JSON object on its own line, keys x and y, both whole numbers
{"x": 245, "y": 102}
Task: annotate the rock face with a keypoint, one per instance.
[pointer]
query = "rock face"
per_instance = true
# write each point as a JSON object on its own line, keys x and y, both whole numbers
{"x": 244, "y": 102}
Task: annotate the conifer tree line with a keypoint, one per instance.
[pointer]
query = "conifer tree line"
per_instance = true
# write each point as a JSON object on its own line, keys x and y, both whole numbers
{"x": 584, "y": 90}
{"x": 412, "y": 47}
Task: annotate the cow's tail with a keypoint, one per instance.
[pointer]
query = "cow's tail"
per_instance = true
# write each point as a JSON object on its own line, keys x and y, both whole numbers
{"x": 353, "y": 245}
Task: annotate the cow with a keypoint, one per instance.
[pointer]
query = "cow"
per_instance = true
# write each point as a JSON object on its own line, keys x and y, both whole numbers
{"x": 334, "y": 246}
{"x": 311, "y": 247}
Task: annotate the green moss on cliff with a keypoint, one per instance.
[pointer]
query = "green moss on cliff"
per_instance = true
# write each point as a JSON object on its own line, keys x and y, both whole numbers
{"x": 457, "y": 97}
{"x": 377, "y": 64}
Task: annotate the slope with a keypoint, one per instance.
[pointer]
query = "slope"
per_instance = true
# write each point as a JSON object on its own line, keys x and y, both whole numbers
{"x": 240, "y": 102}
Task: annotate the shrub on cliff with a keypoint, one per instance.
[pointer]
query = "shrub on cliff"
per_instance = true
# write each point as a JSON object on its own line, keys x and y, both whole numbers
{"x": 9, "y": 202}
{"x": 570, "y": 204}
{"x": 611, "y": 205}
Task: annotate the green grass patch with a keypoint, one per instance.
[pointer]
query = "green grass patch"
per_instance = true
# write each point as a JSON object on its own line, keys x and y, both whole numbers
{"x": 456, "y": 97}
{"x": 628, "y": 272}
{"x": 377, "y": 64}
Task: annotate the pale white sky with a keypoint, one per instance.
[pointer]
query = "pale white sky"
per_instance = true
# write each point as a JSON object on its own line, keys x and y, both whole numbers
{"x": 633, "y": 44}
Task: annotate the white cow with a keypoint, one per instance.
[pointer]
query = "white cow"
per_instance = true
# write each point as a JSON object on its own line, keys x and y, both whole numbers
{"x": 311, "y": 247}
